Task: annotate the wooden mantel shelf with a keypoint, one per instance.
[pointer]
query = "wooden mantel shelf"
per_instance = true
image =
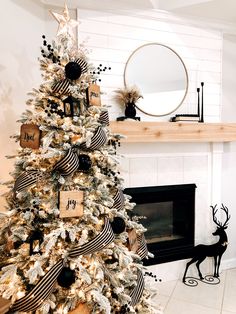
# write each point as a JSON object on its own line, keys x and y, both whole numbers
{"x": 137, "y": 131}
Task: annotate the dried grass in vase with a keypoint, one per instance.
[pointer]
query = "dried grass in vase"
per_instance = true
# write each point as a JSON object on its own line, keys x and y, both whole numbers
{"x": 127, "y": 95}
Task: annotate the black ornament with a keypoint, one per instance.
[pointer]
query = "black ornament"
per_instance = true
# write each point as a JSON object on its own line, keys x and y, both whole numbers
{"x": 66, "y": 277}
{"x": 85, "y": 162}
{"x": 118, "y": 225}
{"x": 73, "y": 70}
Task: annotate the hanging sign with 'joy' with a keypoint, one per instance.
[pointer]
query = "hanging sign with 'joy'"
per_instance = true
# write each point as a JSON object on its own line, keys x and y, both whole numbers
{"x": 71, "y": 204}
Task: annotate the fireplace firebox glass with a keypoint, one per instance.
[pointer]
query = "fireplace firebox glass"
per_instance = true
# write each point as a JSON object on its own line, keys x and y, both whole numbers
{"x": 169, "y": 220}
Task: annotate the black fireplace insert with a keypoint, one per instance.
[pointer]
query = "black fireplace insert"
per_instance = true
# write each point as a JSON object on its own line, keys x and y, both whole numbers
{"x": 169, "y": 212}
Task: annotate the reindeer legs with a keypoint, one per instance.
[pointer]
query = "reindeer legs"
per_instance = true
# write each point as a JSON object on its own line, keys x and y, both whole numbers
{"x": 217, "y": 265}
{"x": 193, "y": 260}
{"x": 201, "y": 259}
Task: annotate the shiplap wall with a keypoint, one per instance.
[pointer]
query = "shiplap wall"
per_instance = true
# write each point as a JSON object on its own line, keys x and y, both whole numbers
{"x": 112, "y": 37}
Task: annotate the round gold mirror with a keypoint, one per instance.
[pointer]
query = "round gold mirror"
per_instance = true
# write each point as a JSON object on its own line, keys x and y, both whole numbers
{"x": 160, "y": 74}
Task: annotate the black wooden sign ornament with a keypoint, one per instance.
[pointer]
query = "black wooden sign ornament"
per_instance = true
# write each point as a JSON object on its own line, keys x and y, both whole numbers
{"x": 216, "y": 250}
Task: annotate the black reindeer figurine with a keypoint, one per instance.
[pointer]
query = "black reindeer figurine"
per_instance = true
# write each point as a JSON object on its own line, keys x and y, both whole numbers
{"x": 216, "y": 250}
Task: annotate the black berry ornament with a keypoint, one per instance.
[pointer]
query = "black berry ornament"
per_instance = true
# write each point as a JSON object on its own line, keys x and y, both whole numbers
{"x": 118, "y": 225}
{"x": 73, "y": 70}
{"x": 66, "y": 277}
{"x": 85, "y": 162}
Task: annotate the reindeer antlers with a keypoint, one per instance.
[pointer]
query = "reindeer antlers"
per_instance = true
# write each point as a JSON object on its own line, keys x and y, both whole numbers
{"x": 225, "y": 209}
{"x": 214, "y": 211}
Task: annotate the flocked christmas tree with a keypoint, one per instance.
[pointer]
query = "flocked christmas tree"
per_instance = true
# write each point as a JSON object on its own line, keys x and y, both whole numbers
{"x": 67, "y": 243}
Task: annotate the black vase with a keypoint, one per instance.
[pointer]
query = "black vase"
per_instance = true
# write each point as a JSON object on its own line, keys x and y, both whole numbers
{"x": 130, "y": 110}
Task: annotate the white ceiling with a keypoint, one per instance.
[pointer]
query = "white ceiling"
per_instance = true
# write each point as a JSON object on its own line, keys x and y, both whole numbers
{"x": 217, "y": 10}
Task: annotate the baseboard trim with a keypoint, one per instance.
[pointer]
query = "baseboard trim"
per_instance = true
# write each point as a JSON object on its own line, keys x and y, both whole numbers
{"x": 228, "y": 263}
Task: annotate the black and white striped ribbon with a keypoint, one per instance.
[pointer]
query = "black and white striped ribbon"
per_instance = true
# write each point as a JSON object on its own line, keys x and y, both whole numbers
{"x": 137, "y": 292}
{"x": 34, "y": 299}
{"x": 119, "y": 200}
{"x": 62, "y": 87}
{"x": 97, "y": 140}
{"x": 97, "y": 244}
{"x": 66, "y": 166}
{"x": 26, "y": 179}
{"x": 83, "y": 65}
{"x": 142, "y": 250}
{"x": 104, "y": 118}
{"x": 69, "y": 164}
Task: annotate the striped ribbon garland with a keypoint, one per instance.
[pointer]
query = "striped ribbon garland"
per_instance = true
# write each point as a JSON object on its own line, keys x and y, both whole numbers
{"x": 97, "y": 244}
{"x": 137, "y": 292}
{"x": 142, "y": 250}
{"x": 26, "y": 179}
{"x": 62, "y": 87}
{"x": 83, "y": 65}
{"x": 104, "y": 118}
{"x": 66, "y": 166}
{"x": 97, "y": 140}
{"x": 119, "y": 200}
{"x": 69, "y": 164}
{"x": 34, "y": 299}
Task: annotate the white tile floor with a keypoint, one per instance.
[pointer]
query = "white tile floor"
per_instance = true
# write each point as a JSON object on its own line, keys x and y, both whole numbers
{"x": 177, "y": 298}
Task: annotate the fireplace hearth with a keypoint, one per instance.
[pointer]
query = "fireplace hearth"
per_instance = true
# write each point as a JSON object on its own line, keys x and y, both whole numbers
{"x": 169, "y": 212}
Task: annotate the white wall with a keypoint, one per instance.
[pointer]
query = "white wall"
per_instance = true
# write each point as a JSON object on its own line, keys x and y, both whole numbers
{"x": 112, "y": 37}
{"x": 229, "y": 156}
{"x": 22, "y": 24}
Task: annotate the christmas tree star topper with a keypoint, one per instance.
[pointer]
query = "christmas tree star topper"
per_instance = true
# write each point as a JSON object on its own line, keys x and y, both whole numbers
{"x": 66, "y": 24}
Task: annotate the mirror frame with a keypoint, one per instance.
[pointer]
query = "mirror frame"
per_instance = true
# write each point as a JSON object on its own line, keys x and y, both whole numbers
{"x": 185, "y": 70}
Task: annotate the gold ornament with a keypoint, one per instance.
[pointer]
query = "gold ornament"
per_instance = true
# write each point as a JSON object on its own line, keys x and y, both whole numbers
{"x": 66, "y": 24}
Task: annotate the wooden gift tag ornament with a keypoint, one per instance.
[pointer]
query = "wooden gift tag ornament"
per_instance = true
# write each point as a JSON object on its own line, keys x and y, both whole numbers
{"x": 71, "y": 204}
{"x": 133, "y": 240}
{"x": 82, "y": 308}
{"x": 29, "y": 136}
{"x": 4, "y": 305}
{"x": 93, "y": 95}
